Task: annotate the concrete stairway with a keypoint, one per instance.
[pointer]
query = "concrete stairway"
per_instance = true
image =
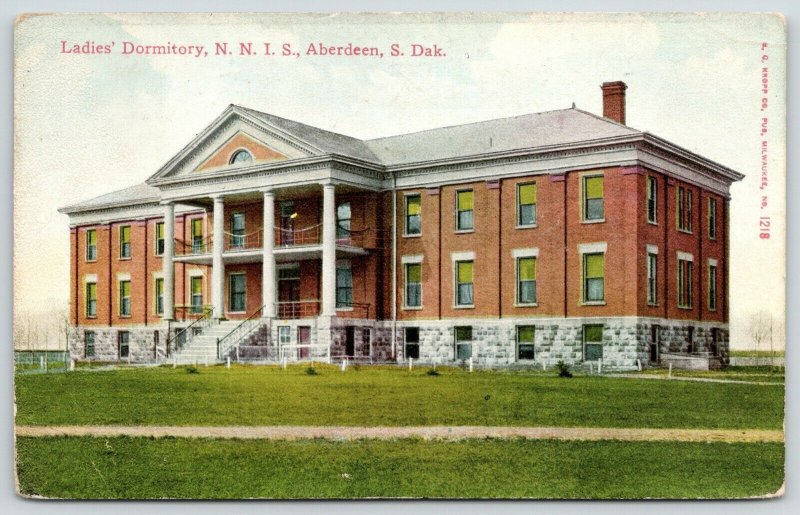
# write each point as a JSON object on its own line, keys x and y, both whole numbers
{"x": 203, "y": 347}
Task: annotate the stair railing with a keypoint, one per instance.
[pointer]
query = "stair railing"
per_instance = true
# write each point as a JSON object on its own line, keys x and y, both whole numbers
{"x": 233, "y": 338}
{"x": 183, "y": 335}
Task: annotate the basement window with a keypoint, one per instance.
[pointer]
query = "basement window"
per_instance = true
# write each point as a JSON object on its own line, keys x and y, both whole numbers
{"x": 463, "y": 342}
{"x": 592, "y": 342}
{"x": 412, "y": 342}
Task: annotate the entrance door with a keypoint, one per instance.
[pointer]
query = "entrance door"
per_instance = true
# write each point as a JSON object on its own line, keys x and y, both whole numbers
{"x": 350, "y": 341}
{"x": 655, "y": 343}
{"x": 288, "y": 297}
{"x": 304, "y": 338}
{"x": 287, "y": 222}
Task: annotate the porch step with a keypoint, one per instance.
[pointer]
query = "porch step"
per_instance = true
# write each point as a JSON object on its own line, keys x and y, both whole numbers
{"x": 203, "y": 347}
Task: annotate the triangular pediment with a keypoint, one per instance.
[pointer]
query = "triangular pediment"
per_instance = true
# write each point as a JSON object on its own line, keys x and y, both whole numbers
{"x": 259, "y": 151}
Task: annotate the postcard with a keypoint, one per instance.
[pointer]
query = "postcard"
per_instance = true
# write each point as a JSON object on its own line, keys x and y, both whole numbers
{"x": 341, "y": 256}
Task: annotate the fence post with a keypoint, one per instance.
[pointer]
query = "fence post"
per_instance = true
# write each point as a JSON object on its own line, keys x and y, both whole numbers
{"x": 228, "y": 364}
{"x": 470, "y": 364}
{"x": 344, "y": 364}
{"x": 237, "y": 354}
{"x": 600, "y": 366}
{"x": 41, "y": 362}
{"x": 174, "y": 361}
{"x": 669, "y": 375}
{"x": 591, "y": 368}
{"x": 410, "y": 363}
{"x": 71, "y": 365}
{"x": 639, "y": 364}
{"x": 284, "y": 362}
{"x": 46, "y": 361}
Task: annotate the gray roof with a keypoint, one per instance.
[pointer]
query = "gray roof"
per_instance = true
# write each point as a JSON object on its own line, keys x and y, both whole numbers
{"x": 519, "y": 132}
{"x": 504, "y": 134}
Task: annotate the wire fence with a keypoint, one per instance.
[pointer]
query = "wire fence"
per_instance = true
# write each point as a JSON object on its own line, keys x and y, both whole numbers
{"x": 41, "y": 362}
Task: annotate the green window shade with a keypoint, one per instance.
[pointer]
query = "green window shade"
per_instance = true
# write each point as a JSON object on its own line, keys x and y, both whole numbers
{"x": 91, "y": 291}
{"x": 527, "y": 269}
{"x": 595, "y": 265}
{"x": 160, "y": 231}
{"x": 593, "y": 333}
{"x": 527, "y": 194}
{"x": 594, "y": 187}
{"x": 465, "y": 272}
{"x": 465, "y": 200}
{"x": 125, "y": 234}
{"x": 197, "y": 285}
{"x": 413, "y": 273}
{"x": 414, "y": 207}
{"x": 91, "y": 237}
{"x": 125, "y": 288}
{"x": 525, "y": 334}
{"x": 197, "y": 227}
{"x": 159, "y": 287}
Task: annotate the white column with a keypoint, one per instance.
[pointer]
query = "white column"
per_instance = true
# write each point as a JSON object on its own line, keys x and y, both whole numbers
{"x": 217, "y": 267}
{"x": 328, "y": 251}
{"x": 167, "y": 266}
{"x": 268, "y": 270}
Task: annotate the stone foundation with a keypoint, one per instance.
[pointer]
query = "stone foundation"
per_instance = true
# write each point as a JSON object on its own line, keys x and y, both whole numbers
{"x": 146, "y": 344}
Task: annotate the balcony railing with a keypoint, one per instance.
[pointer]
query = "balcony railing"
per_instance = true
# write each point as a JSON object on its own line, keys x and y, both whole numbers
{"x": 305, "y": 236}
{"x": 194, "y": 246}
{"x": 242, "y": 242}
{"x": 292, "y": 310}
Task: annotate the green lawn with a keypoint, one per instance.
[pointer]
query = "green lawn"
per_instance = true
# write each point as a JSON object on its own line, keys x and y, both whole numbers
{"x": 760, "y": 374}
{"x": 390, "y": 396}
{"x": 756, "y": 353}
{"x": 137, "y": 468}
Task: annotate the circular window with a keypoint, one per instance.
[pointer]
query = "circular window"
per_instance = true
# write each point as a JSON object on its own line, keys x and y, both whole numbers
{"x": 241, "y": 156}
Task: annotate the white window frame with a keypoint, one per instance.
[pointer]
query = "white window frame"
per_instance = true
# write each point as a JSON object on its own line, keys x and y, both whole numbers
{"x": 457, "y": 257}
{"x": 711, "y": 302}
{"x": 407, "y": 234}
{"x": 230, "y": 291}
{"x": 592, "y": 248}
{"x": 652, "y": 196}
{"x": 520, "y": 225}
{"x": 471, "y": 229}
{"x": 518, "y": 254}
{"x": 652, "y": 254}
{"x": 582, "y": 198}
{"x": 411, "y": 260}
{"x": 686, "y": 258}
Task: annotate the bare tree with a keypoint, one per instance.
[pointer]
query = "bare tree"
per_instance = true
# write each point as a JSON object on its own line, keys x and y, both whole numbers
{"x": 762, "y": 327}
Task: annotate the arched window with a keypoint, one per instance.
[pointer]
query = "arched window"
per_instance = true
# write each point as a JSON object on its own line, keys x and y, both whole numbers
{"x": 241, "y": 156}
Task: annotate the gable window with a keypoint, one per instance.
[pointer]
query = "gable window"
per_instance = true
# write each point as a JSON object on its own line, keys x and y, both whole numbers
{"x": 594, "y": 277}
{"x": 91, "y": 245}
{"x": 464, "y": 290}
{"x": 159, "y": 290}
{"x": 712, "y": 218}
{"x": 159, "y": 238}
{"x": 712, "y": 285}
{"x": 592, "y": 342}
{"x": 88, "y": 343}
{"x": 241, "y": 156}
{"x": 464, "y": 209}
{"x": 344, "y": 284}
{"x": 343, "y": 217}
{"x": 593, "y": 203}
{"x": 198, "y": 246}
{"x": 237, "y": 231}
{"x": 526, "y": 335}
{"x": 123, "y": 343}
{"x": 413, "y": 288}
{"x": 412, "y": 342}
{"x": 237, "y": 303}
{"x": 463, "y": 342}
{"x": 526, "y": 280}
{"x": 125, "y": 298}
{"x": 91, "y": 300}
{"x": 685, "y": 270}
{"x": 652, "y": 192}
{"x": 196, "y": 287}
{"x": 526, "y": 205}
{"x": 684, "y": 209}
{"x": 125, "y": 242}
{"x": 413, "y": 214}
{"x": 652, "y": 260}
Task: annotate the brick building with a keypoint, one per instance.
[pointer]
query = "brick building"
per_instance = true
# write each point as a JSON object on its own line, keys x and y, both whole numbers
{"x": 531, "y": 239}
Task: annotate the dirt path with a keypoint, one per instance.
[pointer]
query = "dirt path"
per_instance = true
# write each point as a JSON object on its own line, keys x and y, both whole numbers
{"x": 427, "y": 433}
{"x": 696, "y": 379}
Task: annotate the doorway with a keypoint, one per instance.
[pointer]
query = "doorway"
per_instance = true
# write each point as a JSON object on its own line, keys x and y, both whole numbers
{"x": 304, "y": 338}
{"x": 350, "y": 341}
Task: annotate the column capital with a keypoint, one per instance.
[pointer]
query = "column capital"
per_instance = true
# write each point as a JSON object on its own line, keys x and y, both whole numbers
{"x": 267, "y": 191}
{"x": 217, "y": 197}
{"x": 328, "y": 184}
{"x": 166, "y": 202}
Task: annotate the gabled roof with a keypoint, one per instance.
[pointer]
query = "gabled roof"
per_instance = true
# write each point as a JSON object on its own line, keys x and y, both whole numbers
{"x": 503, "y": 134}
{"x": 140, "y": 194}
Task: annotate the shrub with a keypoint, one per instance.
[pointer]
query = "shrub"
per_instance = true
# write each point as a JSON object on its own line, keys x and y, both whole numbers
{"x": 311, "y": 371}
{"x": 563, "y": 369}
{"x": 191, "y": 369}
{"x": 432, "y": 372}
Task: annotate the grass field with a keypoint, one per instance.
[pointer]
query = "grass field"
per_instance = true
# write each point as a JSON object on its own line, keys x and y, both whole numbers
{"x": 387, "y": 396}
{"x": 180, "y": 468}
{"x": 754, "y": 374}
{"x": 756, "y": 353}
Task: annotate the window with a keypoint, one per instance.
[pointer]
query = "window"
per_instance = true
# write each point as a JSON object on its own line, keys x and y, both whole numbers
{"x": 413, "y": 213}
{"x": 198, "y": 246}
{"x": 237, "y": 231}
{"x": 712, "y": 287}
{"x": 464, "y": 206}
{"x": 125, "y": 242}
{"x": 592, "y": 342}
{"x": 88, "y": 343}
{"x": 651, "y": 279}
{"x": 464, "y": 283}
{"x": 526, "y": 335}
{"x": 159, "y": 238}
{"x": 712, "y": 219}
{"x": 159, "y": 285}
{"x": 684, "y": 209}
{"x": 593, "y": 204}
{"x": 343, "y": 221}
{"x": 526, "y": 280}
{"x": 412, "y": 342}
{"x": 594, "y": 277}
{"x": 238, "y": 296}
{"x": 652, "y": 192}
{"x": 413, "y": 296}
{"x": 124, "y": 298}
{"x": 91, "y": 300}
{"x": 685, "y": 267}
{"x": 91, "y": 245}
{"x": 197, "y": 294}
{"x": 284, "y": 334}
{"x": 526, "y": 205}
{"x": 366, "y": 342}
{"x": 241, "y": 156}
{"x": 463, "y": 342}
{"x": 123, "y": 341}
{"x": 344, "y": 285}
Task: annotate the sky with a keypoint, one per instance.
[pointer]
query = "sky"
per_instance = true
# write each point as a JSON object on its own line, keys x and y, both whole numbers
{"x": 89, "y": 124}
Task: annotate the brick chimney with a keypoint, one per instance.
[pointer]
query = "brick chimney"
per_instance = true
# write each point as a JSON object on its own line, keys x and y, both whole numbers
{"x": 614, "y": 101}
